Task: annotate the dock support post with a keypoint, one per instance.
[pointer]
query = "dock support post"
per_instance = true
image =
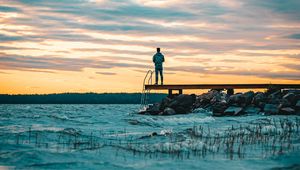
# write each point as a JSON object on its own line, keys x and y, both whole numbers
{"x": 170, "y": 93}
{"x": 180, "y": 91}
{"x": 230, "y": 92}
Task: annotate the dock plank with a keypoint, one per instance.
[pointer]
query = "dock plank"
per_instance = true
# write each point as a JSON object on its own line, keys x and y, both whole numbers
{"x": 219, "y": 86}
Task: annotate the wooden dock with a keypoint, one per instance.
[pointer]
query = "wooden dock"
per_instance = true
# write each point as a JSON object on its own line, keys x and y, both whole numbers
{"x": 229, "y": 87}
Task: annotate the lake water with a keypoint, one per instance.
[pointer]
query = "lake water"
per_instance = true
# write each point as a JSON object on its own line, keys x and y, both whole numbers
{"x": 115, "y": 137}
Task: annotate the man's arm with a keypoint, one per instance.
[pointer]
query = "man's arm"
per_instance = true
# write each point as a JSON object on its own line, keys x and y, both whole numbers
{"x": 153, "y": 59}
{"x": 163, "y": 58}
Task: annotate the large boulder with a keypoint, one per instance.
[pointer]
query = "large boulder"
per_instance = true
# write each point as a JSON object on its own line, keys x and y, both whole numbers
{"x": 219, "y": 108}
{"x": 169, "y": 111}
{"x": 287, "y": 111}
{"x": 201, "y": 102}
{"x": 290, "y": 97}
{"x": 186, "y": 100}
{"x": 297, "y": 106}
{"x": 275, "y": 97}
{"x": 182, "y": 110}
{"x": 153, "y": 109}
{"x": 284, "y": 103}
{"x": 248, "y": 97}
{"x": 205, "y": 98}
{"x": 216, "y": 98}
{"x": 259, "y": 98}
{"x": 271, "y": 109}
{"x": 164, "y": 103}
{"x": 274, "y": 94}
{"x": 233, "y": 111}
{"x": 252, "y": 110}
{"x": 236, "y": 99}
{"x": 182, "y": 103}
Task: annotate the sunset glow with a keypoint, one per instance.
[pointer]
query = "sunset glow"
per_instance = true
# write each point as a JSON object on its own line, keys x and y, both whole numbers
{"x": 107, "y": 45}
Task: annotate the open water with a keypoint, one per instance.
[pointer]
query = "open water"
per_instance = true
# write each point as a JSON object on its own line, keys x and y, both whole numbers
{"x": 116, "y": 137}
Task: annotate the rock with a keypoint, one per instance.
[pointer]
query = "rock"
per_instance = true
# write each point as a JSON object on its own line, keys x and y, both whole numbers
{"x": 233, "y": 111}
{"x": 219, "y": 108}
{"x": 208, "y": 99}
{"x": 252, "y": 110}
{"x": 182, "y": 103}
{"x": 142, "y": 112}
{"x": 149, "y": 136}
{"x": 236, "y": 99}
{"x": 274, "y": 98}
{"x": 284, "y": 103}
{"x": 201, "y": 102}
{"x": 272, "y": 89}
{"x": 186, "y": 100}
{"x": 297, "y": 106}
{"x": 152, "y": 109}
{"x": 164, "y": 103}
{"x": 218, "y": 114}
{"x": 287, "y": 111}
{"x": 248, "y": 97}
{"x": 133, "y": 122}
{"x": 261, "y": 105}
{"x": 169, "y": 111}
{"x": 173, "y": 103}
{"x": 289, "y": 97}
{"x": 258, "y": 98}
{"x": 297, "y": 98}
{"x": 275, "y": 94}
{"x": 216, "y": 98}
{"x": 271, "y": 109}
{"x": 207, "y": 96}
{"x": 182, "y": 110}
{"x": 274, "y": 101}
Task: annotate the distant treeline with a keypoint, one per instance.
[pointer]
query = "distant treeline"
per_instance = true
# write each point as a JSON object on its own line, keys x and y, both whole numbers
{"x": 79, "y": 98}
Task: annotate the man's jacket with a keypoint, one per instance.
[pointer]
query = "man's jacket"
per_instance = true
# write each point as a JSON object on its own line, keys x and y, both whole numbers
{"x": 158, "y": 59}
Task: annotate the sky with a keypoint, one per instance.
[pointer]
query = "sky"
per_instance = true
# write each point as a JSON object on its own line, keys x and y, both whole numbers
{"x": 56, "y": 46}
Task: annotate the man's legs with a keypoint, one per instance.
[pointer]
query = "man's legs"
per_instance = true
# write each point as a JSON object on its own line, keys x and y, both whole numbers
{"x": 156, "y": 76}
{"x": 161, "y": 76}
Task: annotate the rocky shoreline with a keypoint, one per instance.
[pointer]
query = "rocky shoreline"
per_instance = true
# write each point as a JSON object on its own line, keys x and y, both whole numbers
{"x": 271, "y": 102}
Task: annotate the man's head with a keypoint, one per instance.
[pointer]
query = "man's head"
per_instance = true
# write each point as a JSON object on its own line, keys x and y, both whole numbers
{"x": 158, "y": 49}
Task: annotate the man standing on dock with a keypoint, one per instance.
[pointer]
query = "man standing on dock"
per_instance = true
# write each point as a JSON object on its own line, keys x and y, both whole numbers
{"x": 158, "y": 60}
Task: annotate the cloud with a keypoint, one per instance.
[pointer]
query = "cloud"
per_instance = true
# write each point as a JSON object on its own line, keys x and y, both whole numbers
{"x": 294, "y": 36}
{"x": 292, "y": 66}
{"x": 55, "y": 63}
{"x": 9, "y": 9}
{"x": 240, "y": 72}
{"x": 106, "y": 73}
{"x": 265, "y": 74}
{"x": 126, "y": 32}
{"x": 2, "y": 72}
{"x": 287, "y": 7}
{"x": 5, "y": 38}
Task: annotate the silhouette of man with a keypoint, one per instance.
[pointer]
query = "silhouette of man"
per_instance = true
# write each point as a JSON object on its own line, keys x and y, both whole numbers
{"x": 158, "y": 60}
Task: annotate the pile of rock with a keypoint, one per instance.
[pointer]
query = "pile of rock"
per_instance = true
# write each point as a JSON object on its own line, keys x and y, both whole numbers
{"x": 271, "y": 102}
{"x": 180, "y": 104}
